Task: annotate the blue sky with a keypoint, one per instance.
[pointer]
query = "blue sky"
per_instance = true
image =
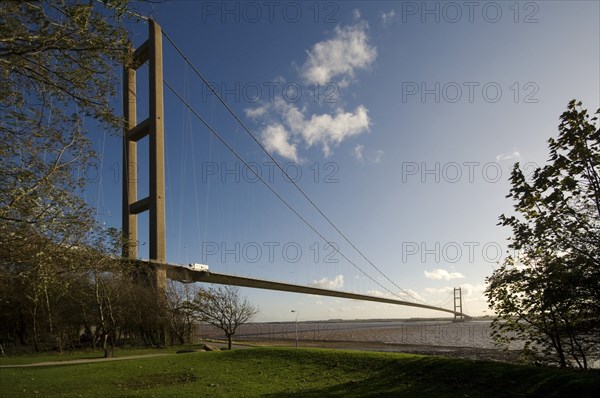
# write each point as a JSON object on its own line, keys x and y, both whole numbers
{"x": 401, "y": 120}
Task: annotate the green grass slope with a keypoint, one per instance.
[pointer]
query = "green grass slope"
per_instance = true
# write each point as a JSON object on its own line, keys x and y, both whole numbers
{"x": 281, "y": 372}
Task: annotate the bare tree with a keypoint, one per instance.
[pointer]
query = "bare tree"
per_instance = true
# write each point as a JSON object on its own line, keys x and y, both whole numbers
{"x": 180, "y": 310}
{"x": 224, "y": 308}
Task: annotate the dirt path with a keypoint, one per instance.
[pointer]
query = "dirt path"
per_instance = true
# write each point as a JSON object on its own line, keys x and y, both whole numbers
{"x": 80, "y": 361}
{"x": 219, "y": 345}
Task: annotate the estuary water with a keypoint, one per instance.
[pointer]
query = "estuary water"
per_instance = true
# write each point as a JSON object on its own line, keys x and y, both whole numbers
{"x": 476, "y": 334}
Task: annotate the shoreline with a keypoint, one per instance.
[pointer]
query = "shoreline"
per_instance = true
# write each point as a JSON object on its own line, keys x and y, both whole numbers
{"x": 470, "y": 353}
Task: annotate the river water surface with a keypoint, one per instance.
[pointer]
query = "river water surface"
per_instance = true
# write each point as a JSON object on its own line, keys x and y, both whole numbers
{"x": 475, "y": 334}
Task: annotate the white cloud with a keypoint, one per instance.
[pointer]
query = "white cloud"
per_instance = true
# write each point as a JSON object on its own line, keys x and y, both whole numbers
{"x": 411, "y": 294}
{"x": 508, "y": 156}
{"x": 376, "y": 158}
{"x": 408, "y": 295}
{"x": 255, "y": 113}
{"x": 290, "y": 114}
{"x": 360, "y": 154}
{"x": 357, "y": 152}
{"x": 327, "y": 130}
{"x": 440, "y": 290}
{"x": 467, "y": 290}
{"x": 340, "y": 56}
{"x": 356, "y": 14}
{"x": 387, "y": 17}
{"x": 276, "y": 139}
{"x": 292, "y": 124}
{"x": 378, "y": 293}
{"x": 472, "y": 290}
{"x": 287, "y": 125}
{"x": 326, "y": 283}
{"x": 442, "y": 274}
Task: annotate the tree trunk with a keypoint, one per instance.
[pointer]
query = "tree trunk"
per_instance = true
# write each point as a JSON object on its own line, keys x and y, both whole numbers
{"x": 105, "y": 346}
{"x": 94, "y": 337}
{"x": 228, "y": 341}
{"x": 59, "y": 341}
{"x": 21, "y": 329}
{"x": 35, "y": 336}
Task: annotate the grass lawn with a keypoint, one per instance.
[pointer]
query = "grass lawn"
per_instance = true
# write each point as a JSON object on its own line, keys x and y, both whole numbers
{"x": 281, "y": 372}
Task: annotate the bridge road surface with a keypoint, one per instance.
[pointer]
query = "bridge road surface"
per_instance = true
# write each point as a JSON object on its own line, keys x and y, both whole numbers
{"x": 186, "y": 275}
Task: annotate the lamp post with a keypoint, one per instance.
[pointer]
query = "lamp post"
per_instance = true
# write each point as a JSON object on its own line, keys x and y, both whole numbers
{"x": 296, "y": 327}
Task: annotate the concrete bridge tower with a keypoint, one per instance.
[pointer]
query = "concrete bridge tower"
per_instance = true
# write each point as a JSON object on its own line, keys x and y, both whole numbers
{"x": 150, "y": 51}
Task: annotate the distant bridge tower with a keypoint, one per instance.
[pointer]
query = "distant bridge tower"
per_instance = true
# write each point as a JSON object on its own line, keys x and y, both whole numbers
{"x": 458, "y": 305}
{"x": 150, "y": 51}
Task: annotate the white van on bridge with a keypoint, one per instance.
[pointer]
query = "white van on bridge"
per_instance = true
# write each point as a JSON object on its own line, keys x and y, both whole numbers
{"x": 198, "y": 267}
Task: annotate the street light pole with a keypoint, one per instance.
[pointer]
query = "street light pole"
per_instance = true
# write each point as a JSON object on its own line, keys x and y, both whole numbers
{"x": 296, "y": 327}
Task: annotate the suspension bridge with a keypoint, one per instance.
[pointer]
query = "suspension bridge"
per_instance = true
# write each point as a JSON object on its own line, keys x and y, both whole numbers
{"x": 150, "y": 52}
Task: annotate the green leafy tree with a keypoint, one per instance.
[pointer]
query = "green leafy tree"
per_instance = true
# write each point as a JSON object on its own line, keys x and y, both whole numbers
{"x": 57, "y": 72}
{"x": 57, "y": 62}
{"x": 547, "y": 294}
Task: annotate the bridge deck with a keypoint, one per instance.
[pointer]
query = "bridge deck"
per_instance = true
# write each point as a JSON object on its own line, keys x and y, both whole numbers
{"x": 184, "y": 274}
